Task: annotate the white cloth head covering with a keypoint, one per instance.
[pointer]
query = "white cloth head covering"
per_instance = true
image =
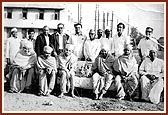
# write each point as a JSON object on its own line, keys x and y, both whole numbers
{"x": 105, "y": 47}
{"x": 128, "y": 46}
{"x": 47, "y": 49}
{"x": 13, "y": 30}
{"x": 69, "y": 46}
{"x": 27, "y": 44}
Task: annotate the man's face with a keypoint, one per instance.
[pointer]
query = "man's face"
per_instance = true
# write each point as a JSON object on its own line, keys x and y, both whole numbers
{"x": 31, "y": 35}
{"x": 99, "y": 33}
{"x": 46, "y": 54}
{"x": 46, "y": 31}
{"x": 78, "y": 29}
{"x": 120, "y": 29}
{"x": 60, "y": 28}
{"x": 67, "y": 52}
{"x": 127, "y": 51}
{"x": 103, "y": 53}
{"x": 152, "y": 54}
{"x": 26, "y": 50}
{"x": 107, "y": 33}
{"x": 92, "y": 36}
{"x": 14, "y": 33}
{"x": 149, "y": 32}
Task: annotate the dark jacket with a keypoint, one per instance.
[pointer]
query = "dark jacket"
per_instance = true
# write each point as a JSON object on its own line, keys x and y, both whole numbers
{"x": 40, "y": 43}
{"x": 55, "y": 42}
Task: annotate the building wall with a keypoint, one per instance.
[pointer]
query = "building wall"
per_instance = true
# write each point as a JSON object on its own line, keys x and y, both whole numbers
{"x": 32, "y": 20}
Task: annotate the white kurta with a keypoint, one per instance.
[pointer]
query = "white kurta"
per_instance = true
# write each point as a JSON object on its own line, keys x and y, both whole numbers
{"x": 146, "y": 45}
{"x": 78, "y": 42}
{"x": 92, "y": 49}
{"x": 152, "y": 91}
{"x": 12, "y": 47}
{"x": 106, "y": 42}
{"x": 118, "y": 44}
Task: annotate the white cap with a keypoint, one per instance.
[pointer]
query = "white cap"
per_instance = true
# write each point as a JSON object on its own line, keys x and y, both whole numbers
{"x": 47, "y": 49}
{"x": 69, "y": 46}
{"x": 13, "y": 30}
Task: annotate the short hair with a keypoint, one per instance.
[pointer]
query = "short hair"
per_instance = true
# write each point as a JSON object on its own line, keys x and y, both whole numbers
{"x": 149, "y": 28}
{"x": 121, "y": 24}
{"x": 45, "y": 27}
{"x": 78, "y": 24}
{"x": 31, "y": 30}
{"x": 60, "y": 24}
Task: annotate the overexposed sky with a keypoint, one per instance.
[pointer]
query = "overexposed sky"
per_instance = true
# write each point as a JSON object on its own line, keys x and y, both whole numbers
{"x": 141, "y": 15}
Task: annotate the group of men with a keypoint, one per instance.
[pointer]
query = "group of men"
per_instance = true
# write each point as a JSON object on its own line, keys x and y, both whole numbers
{"x": 55, "y": 56}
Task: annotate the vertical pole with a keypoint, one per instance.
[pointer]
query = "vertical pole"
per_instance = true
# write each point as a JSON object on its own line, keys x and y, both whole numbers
{"x": 95, "y": 18}
{"x": 107, "y": 18}
{"x": 128, "y": 26}
{"x": 98, "y": 16}
{"x": 112, "y": 16}
{"x": 78, "y": 13}
{"x": 103, "y": 21}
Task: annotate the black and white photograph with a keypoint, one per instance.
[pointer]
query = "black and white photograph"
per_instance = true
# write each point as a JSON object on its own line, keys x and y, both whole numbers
{"x": 75, "y": 57}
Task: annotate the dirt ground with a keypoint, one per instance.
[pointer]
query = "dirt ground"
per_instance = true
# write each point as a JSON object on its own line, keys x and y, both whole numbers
{"x": 83, "y": 102}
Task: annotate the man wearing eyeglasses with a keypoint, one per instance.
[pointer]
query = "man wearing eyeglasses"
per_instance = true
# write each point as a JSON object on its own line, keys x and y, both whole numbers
{"x": 67, "y": 63}
{"x": 59, "y": 39}
{"x": 146, "y": 44}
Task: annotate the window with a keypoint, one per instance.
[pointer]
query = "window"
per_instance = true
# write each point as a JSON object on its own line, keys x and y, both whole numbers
{"x": 9, "y": 13}
{"x": 57, "y": 15}
{"x": 41, "y": 14}
{"x": 24, "y": 11}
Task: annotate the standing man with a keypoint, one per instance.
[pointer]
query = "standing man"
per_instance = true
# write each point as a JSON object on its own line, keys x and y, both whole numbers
{"x": 44, "y": 39}
{"x": 99, "y": 34}
{"x": 119, "y": 40}
{"x": 59, "y": 39}
{"x": 67, "y": 64}
{"x": 152, "y": 74}
{"x": 78, "y": 39}
{"x": 91, "y": 47}
{"x": 146, "y": 44}
{"x": 107, "y": 40}
{"x": 30, "y": 38}
{"x": 12, "y": 46}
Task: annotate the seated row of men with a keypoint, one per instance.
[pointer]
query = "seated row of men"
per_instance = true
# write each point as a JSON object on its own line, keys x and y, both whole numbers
{"x": 106, "y": 71}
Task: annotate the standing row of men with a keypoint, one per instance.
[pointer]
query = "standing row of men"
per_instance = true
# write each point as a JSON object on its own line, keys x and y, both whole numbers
{"x": 57, "y": 53}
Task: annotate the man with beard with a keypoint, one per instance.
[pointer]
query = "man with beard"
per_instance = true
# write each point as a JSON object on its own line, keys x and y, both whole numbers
{"x": 152, "y": 73}
{"x": 102, "y": 73}
{"x": 119, "y": 40}
{"x": 67, "y": 64}
{"x": 46, "y": 65}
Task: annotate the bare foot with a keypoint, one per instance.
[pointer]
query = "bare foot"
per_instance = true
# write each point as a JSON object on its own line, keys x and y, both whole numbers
{"x": 61, "y": 95}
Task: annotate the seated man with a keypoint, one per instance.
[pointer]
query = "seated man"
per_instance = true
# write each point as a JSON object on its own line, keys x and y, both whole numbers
{"x": 152, "y": 73}
{"x": 126, "y": 69}
{"x": 22, "y": 70}
{"x": 102, "y": 68}
{"x": 46, "y": 65}
{"x": 67, "y": 63}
